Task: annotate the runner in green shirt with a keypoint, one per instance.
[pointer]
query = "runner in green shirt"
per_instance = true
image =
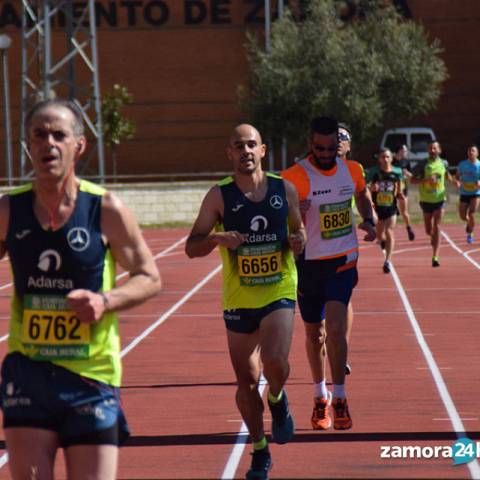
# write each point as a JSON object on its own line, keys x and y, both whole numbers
{"x": 430, "y": 175}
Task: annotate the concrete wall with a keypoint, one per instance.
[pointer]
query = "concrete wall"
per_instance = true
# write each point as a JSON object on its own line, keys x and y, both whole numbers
{"x": 165, "y": 202}
{"x": 158, "y": 203}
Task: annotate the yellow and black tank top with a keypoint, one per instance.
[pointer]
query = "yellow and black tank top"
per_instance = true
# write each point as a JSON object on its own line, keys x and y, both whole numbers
{"x": 46, "y": 266}
{"x": 262, "y": 270}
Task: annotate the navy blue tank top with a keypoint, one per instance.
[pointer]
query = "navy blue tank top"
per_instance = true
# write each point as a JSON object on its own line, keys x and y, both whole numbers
{"x": 55, "y": 262}
{"x": 265, "y": 221}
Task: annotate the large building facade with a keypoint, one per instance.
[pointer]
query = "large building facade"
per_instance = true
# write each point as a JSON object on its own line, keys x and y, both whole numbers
{"x": 183, "y": 61}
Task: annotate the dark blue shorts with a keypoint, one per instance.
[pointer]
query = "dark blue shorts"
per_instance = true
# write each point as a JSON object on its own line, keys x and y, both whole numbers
{"x": 386, "y": 212}
{"x": 247, "y": 320}
{"x": 428, "y": 207}
{"x": 330, "y": 287}
{"x": 467, "y": 198}
{"x": 43, "y": 395}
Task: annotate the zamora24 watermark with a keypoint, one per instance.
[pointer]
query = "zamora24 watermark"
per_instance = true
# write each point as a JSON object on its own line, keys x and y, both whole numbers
{"x": 462, "y": 451}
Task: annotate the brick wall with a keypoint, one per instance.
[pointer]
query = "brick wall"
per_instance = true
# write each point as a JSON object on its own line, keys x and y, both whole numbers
{"x": 183, "y": 61}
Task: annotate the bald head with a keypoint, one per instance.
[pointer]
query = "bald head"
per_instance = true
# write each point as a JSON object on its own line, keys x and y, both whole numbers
{"x": 245, "y": 149}
{"x": 245, "y": 130}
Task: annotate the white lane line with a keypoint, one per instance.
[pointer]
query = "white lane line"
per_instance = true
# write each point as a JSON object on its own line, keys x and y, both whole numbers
{"x": 357, "y": 312}
{"x": 237, "y": 452}
{"x": 440, "y": 368}
{"x": 447, "y": 400}
{"x": 426, "y": 312}
{"x": 413, "y": 249}
{"x": 242, "y": 437}
{"x": 161, "y": 254}
{"x": 416, "y": 289}
{"x": 463, "y": 418}
{"x": 460, "y": 251}
{"x": 169, "y": 312}
{"x": 424, "y": 334}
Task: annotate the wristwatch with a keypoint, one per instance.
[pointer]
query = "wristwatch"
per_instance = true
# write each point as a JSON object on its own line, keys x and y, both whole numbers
{"x": 369, "y": 220}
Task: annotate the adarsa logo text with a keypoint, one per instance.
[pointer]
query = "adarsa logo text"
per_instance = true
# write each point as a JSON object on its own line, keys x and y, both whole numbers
{"x": 45, "y": 282}
{"x": 261, "y": 237}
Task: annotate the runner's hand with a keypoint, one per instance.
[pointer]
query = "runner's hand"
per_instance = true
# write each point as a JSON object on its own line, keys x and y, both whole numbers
{"x": 296, "y": 242}
{"x": 88, "y": 306}
{"x": 231, "y": 240}
{"x": 370, "y": 229}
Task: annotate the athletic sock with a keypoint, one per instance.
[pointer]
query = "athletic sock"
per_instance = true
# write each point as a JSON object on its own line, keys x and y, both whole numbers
{"x": 273, "y": 399}
{"x": 260, "y": 445}
{"x": 320, "y": 389}
{"x": 339, "y": 391}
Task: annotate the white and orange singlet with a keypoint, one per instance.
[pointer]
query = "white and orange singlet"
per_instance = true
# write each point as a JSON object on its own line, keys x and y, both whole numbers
{"x": 329, "y": 220}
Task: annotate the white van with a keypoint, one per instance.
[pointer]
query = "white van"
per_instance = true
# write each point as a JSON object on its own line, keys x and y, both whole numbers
{"x": 416, "y": 139}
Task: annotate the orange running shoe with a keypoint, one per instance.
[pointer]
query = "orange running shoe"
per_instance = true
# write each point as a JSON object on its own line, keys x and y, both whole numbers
{"x": 321, "y": 419}
{"x": 341, "y": 415}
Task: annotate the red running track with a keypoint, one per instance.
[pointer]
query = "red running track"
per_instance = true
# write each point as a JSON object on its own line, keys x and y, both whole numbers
{"x": 414, "y": 383}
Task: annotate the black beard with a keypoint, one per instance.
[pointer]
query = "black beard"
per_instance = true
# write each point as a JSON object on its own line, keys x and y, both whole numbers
{"x": 325, "y": 165}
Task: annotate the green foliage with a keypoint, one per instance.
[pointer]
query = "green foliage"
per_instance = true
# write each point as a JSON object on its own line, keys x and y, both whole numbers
{"x": 366, "y": 71}
{"x": 116, "y": 127}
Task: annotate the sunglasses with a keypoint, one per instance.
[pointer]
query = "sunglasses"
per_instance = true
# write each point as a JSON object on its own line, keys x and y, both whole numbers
{"x": 343, "y": 137}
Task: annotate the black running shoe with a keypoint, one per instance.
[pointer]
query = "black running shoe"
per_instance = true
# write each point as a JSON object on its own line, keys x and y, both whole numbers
{"x": 348, "y": 369}
{"x": 386, "y": 267}
{"x": 283, "y": 426}
{"x": 410, "y": 233}
{"x": 261, "y": 464}
{"x": 435, "y": 262}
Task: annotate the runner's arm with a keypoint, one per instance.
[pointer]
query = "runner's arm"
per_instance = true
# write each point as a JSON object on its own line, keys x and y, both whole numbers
{"x": 298, "y": 236}
{"x": 203, "y": 239}
{"x": 398, "y": 189}
{"x": 458, "y": 178}
{"x": 451, "y": 178}
{"x": 363, "y": 201}
{"x": 372, "y": 183}
{"x": 418, "y": 174}
{"x": 131, "y": 252}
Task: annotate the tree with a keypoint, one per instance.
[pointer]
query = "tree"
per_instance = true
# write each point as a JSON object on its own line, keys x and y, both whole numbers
{"x": 366, "y": 70}
{"x": 116, "y": 127}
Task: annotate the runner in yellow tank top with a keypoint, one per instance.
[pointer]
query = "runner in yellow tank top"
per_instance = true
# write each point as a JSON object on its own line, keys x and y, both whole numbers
{"x": 430, "y": 176}
{"x": 61, "y": 377}
{"x": 258, "y": 227}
